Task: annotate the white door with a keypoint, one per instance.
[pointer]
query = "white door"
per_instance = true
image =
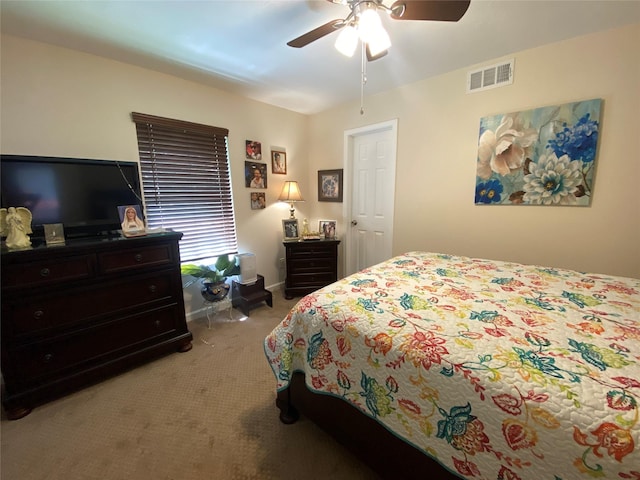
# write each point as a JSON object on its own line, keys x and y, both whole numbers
{"x": 371, "y": 167}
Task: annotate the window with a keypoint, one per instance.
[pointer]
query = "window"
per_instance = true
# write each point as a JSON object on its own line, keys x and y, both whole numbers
{"x": 187, "y": 184}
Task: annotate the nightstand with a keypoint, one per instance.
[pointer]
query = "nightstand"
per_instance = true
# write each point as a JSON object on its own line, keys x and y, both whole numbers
{"x": 310, "y": 265}
{"x": 250, "y": 296}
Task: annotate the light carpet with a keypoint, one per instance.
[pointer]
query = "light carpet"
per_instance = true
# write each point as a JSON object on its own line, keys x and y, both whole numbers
{"x": 205, "y": 414}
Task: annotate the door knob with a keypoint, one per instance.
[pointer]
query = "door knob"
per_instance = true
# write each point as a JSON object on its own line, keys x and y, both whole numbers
{"x": 354, "y": 222}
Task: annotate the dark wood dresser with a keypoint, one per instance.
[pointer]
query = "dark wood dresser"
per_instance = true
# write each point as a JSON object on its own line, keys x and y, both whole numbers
{"x": 310, "y": 265}
{"x": 77, "y": 313}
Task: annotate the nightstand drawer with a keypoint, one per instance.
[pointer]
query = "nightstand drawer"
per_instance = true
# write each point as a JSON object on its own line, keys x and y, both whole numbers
{"x": 313, "y": 252}
{"x": 315, "y": 264}
{"x": 312, "y": 279}
{"x": 51, "y": 271}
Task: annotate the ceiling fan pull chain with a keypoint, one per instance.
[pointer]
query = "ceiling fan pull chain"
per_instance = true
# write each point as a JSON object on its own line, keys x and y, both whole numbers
{"x": 363, "y": 77}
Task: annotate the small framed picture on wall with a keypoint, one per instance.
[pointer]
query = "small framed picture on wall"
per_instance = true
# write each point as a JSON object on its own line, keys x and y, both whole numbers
{"x": 253, "y": 150}
{"x": 278, "y": 162}
{"x": 255, "y": 175}
{"x": 258, "y": 201}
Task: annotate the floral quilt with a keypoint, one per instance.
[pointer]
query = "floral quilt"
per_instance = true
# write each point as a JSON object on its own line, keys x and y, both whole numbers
{"x": 498, "y": 370}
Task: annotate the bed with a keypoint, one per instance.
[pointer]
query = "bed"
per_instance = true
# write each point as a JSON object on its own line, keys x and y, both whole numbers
{"x": 464, "y": 367}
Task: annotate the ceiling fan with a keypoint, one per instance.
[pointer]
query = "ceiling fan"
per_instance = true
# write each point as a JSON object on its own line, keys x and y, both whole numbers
{"x": 363, "y": 22}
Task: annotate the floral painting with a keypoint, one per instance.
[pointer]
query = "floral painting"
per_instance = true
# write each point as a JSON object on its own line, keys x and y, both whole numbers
{"x": 544, "y": 156}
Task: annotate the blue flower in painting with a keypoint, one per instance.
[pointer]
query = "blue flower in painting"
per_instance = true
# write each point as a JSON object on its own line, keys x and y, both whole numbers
{"x": 578, "y": 141}
{"x": 488, "y": 192}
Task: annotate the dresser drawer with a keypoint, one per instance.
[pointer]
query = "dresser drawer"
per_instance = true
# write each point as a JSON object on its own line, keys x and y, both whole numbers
{"x": 44, "y": 312}
{"x": 38, "y": 274}
{"x": 135, "y": 258}
{"x": 44, "y": 358}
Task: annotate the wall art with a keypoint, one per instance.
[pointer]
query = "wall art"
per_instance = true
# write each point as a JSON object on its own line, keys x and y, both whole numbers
{"x": 253, "y": 150}
{"x": 255, "y": 175}
{"x": 544, "y": 156}
{"x": 278, "y": 162}
{"x": 258, "y": 201}
{"x": 330, "y": 185}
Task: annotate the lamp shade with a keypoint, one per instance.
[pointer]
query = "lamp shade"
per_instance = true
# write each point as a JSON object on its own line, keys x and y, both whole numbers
{"x": 290, "y": 193}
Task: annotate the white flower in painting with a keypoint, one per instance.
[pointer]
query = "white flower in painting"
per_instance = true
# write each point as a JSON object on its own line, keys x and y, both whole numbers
{"x": 504, "y": 150}
{"x": 553, "y": 180}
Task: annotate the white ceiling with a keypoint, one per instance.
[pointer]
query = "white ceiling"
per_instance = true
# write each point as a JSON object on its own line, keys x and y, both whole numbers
{"x": 240, "y": 46}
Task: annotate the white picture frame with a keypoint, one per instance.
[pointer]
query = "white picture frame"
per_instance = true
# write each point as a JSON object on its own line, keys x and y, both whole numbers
{"x": 327, "y": 229}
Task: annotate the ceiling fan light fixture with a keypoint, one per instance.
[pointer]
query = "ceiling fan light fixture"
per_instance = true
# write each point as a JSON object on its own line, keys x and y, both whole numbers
{"x": 347, "y": 41}
{"x": 379, "y": 43}
{"x": 369, "y": 24}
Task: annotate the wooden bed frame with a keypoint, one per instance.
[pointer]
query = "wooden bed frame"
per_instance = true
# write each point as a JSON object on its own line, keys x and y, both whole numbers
{"x": 386, "y": 454}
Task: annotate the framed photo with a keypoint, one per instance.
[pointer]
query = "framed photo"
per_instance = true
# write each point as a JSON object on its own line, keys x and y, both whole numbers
{"x": 54, "y": 234}
{"x": 327, "y": 229}
{"x": 255, "y": 175}
{"x": 258, "y": 201}
{"x": 290, "y": 229}
{"x": 253, "y": 150}
{"x": 278, "y": 162}
{"x": 131, "y": 221}
{"x": 330, "y": 185}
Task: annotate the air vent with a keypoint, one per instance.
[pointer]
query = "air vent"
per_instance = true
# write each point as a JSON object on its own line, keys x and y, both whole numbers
{"x": 491, "y": 76}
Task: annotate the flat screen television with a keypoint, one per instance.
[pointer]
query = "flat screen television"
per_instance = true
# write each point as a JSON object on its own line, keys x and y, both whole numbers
{"x": 82, "y": 194}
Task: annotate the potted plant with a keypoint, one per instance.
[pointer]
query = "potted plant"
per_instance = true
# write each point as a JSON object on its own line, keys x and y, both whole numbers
{"x": 213, "y": 278}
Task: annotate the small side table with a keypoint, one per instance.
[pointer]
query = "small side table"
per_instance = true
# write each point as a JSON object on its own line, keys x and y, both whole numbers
{"x": 213, "y": 308}
{"x": 246, "y": 297}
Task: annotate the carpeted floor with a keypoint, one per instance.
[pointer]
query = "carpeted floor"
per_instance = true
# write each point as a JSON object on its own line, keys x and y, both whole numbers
{"x": 205, "y": 414}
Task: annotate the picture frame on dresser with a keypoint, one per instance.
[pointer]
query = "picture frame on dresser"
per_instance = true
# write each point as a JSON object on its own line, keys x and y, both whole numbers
{"x": 54, "y": 234}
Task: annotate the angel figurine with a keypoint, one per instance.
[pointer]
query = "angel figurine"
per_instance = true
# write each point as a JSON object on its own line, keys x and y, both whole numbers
{"x": 15, "y": 224}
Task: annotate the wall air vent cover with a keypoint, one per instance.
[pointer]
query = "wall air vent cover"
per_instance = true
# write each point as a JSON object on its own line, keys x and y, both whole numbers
{"x": 490, "y": 76}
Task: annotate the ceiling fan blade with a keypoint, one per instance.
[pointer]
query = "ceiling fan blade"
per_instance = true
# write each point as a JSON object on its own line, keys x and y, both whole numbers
{"x": 371, "y": 58}
{"x": 316, "y": 33}
{"x": 442, "y": 10}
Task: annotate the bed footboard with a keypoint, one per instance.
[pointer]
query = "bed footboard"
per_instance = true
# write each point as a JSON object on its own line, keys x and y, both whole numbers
{"x": 376, "y": 446}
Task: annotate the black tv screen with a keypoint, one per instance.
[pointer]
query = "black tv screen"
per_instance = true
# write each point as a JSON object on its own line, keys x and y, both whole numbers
{"x": 82, "y": 194}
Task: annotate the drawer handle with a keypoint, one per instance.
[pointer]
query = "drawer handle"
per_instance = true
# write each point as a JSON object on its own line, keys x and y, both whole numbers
{"x": 45, "y": 272}
{"x": 48, "y": 357}
{"x": 138, "y": 257}
{"x": 38, "y": 314}
{"x": 152, "y": 288}
{"x": 157, "y": 323}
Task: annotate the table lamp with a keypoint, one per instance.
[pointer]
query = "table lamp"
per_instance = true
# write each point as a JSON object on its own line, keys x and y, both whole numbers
{"x": 291, "y": 194}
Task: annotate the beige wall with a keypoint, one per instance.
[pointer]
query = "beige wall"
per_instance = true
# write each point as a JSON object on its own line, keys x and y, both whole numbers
{"x": 59, "y": 102}
{"x": 437, "y": 146}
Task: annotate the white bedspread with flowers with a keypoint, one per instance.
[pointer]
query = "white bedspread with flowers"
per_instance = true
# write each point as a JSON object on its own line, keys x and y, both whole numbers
{"x": 497, "y": 370}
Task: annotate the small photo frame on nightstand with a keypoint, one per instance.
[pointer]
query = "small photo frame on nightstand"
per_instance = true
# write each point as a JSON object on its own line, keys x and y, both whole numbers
{"x": 54, "y": 234}
{"x": 290, "y": 229}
